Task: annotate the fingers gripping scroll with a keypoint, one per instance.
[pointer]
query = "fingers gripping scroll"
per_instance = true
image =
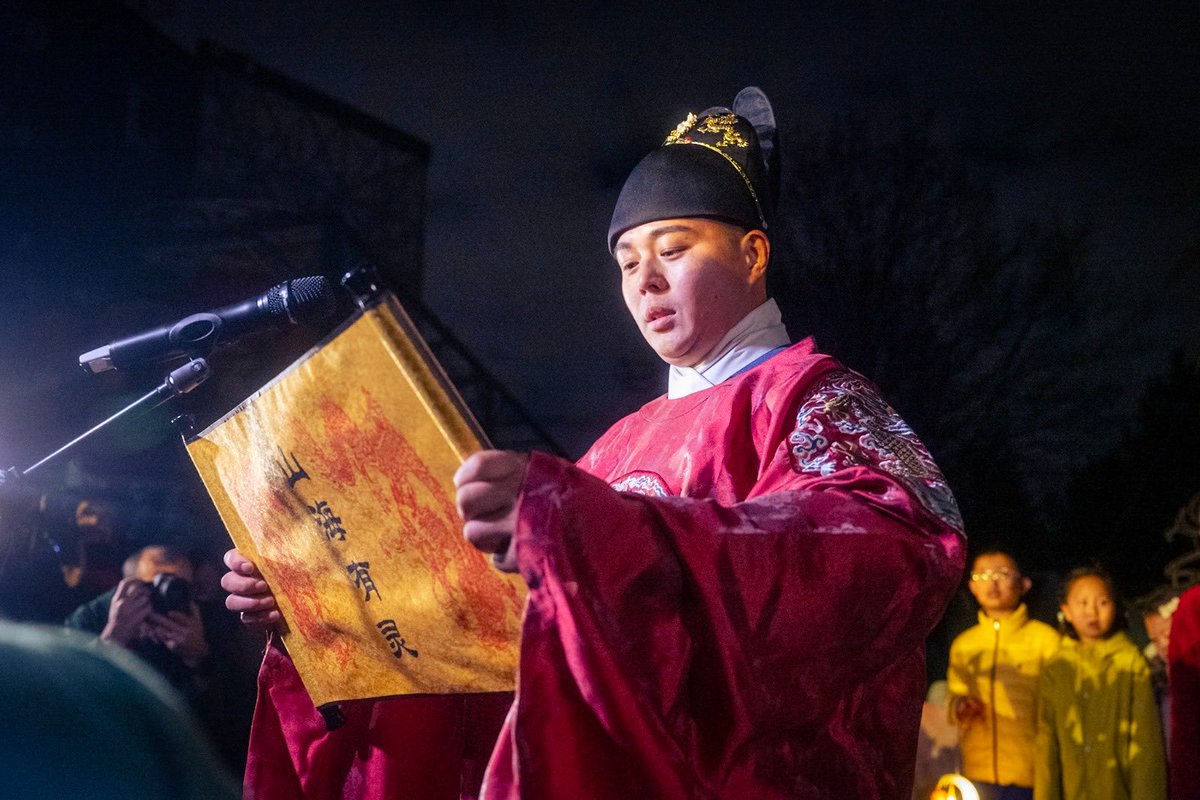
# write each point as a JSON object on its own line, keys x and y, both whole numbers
{"x": 489, "y": 485}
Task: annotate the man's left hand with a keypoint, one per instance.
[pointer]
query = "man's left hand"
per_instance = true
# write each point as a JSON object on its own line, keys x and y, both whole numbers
{"x": 489, "y": 483}
{"x": 182, "y": 632}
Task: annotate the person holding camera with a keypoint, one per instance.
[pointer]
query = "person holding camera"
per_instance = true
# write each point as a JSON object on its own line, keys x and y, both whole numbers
{"x": 158, "y": 612}
{"x": 151, "y": 613}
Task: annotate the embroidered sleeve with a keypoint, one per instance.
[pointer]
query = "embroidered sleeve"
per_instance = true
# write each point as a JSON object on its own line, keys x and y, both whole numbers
{"x": 647, "y": 484}
{"x": 845, "y": 423}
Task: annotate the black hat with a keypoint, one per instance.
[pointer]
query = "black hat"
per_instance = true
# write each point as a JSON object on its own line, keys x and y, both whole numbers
{"x": 720, "y": 164}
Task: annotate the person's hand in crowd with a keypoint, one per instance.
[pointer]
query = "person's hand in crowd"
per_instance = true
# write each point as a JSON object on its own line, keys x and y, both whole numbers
{"x": 181, "y": 632}
{"x": 249, "y": 594}
{"x": 489, "y": 483}
{"x": 128, "y": 612}
{"x": 968, "y": 709}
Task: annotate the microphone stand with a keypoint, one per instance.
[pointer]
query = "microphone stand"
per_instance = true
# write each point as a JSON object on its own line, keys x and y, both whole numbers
{"x": 180, "y": 381}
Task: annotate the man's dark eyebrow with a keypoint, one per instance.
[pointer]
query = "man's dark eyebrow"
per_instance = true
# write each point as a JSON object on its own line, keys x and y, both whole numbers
{"x": 654, "y": 234}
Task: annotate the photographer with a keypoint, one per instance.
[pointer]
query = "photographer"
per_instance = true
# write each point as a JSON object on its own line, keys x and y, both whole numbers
{"x": 159, "y": 612}
{"x": 151, "y": 613}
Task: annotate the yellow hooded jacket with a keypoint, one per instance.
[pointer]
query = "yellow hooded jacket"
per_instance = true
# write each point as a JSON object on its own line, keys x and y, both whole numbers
{"x": 998, "y": 661}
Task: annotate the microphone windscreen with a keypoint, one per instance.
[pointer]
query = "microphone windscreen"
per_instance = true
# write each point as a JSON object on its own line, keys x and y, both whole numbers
{"x": 303, "y": 300}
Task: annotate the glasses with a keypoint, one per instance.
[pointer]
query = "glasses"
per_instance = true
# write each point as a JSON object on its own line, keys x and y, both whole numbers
{"x": 992, "y": 575}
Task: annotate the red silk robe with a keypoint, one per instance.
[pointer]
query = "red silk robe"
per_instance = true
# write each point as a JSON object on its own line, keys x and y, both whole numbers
{"x": 432, "y": 747}
{"x": 744, "y": 616}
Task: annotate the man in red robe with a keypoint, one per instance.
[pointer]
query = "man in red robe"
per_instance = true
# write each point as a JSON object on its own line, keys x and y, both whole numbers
{"x": 730, "y": 592}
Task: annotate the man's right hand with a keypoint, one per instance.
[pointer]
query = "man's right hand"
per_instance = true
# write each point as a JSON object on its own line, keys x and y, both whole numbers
{"x": 128, "y": 612}
{"x": 249, "y": 594}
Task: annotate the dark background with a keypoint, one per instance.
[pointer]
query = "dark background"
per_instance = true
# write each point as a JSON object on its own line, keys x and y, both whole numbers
{"x": 990, "y": 210}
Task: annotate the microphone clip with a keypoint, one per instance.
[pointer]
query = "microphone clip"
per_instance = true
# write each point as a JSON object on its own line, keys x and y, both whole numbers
{"x": 194, "y": 337}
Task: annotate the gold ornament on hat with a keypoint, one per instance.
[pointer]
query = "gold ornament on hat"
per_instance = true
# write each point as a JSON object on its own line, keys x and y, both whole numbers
{"x": 681, "y": 129}
{"x": 724, "y": 125}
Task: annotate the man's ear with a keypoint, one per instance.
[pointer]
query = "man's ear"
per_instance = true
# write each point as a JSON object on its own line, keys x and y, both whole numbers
{"x": 1026, "y": 585}
{"x": 756, "y": 250}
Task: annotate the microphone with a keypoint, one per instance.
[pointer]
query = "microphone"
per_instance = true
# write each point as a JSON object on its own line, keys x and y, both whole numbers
{"x": 293, "y": 302}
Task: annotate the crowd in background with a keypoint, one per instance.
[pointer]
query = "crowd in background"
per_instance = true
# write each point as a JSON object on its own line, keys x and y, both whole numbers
{"x": 1069, "y": 711}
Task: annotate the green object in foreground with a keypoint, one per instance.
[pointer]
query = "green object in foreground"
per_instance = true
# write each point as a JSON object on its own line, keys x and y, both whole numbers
{"x": 82, "y": 719}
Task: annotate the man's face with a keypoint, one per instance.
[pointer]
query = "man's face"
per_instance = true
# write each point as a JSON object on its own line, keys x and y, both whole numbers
{"x": 996, "y": 583}
{"x": 154, "y": 562}
{"x": 688, "y": 281}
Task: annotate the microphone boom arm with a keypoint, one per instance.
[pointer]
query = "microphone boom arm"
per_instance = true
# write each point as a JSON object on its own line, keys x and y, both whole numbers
{"x": 181, "y": 381}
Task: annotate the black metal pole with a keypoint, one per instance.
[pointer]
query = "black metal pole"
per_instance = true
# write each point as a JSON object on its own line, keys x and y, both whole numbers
{"x": 180, "y": 381}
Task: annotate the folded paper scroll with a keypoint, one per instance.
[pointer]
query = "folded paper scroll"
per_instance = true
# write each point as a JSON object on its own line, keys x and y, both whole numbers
{"x": 335, "y": 479}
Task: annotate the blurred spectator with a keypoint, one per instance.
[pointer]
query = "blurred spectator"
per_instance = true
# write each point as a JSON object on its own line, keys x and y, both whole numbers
{"x": 58, "y": 551}
{"x": 80, "y": 721}
{"x": 1098, "y": 729}
{"x": 93, "y": 564}
{"x": 993, "y": 677}
{"x": 1183, "y": 661}
{"x": 1157, "y": 610}
{"x": 154, "y": 613}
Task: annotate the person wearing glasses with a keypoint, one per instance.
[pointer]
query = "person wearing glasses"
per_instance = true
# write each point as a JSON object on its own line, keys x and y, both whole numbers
{"x": 993, "y": 677}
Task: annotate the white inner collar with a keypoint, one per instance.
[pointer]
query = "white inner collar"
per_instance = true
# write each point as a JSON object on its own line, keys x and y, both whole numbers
{"x": 759, "y": 332}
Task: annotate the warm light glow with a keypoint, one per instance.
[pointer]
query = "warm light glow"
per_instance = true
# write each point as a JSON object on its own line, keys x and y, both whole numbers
{"x": 954, "y": 787}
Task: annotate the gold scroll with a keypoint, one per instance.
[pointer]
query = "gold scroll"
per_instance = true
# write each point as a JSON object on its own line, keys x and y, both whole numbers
{"x": 335, "y": 479}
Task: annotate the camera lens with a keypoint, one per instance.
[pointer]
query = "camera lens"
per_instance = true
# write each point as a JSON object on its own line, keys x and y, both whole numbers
{"x": 170, "y": 593}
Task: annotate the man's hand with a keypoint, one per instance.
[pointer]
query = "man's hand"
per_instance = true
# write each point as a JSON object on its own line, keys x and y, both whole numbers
{"x": 128, "y": 612}
{"x": 968, "y": 709}
{"x": 181, "y": 632}
{"x": 249, "y": 594}
{"x": 489, "y": 483}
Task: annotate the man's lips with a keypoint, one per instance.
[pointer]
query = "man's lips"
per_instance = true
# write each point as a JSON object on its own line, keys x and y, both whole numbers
{"x": 659, "y": 319}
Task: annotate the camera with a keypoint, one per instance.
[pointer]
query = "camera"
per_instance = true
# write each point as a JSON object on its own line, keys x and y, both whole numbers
{"x": 170, "y": 593}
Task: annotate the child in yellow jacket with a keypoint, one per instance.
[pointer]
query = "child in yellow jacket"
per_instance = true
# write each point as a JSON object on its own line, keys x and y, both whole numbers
{"x": 1098, "y": 730}
{"x": 993, "y": 677}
